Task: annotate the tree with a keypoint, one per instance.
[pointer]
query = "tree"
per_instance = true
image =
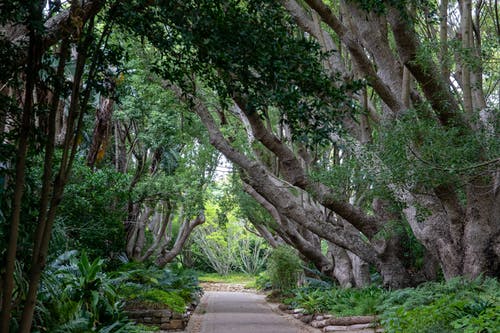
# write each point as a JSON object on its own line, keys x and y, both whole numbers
{"x": 45, "y": 30}
{"x": 403, "y": 124}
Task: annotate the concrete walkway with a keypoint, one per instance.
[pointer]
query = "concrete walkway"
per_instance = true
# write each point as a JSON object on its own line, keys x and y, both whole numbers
{"x": 241, "y": 312}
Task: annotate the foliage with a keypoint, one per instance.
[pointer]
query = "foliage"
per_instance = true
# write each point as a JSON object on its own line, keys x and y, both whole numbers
{"x": 143, "y": 286}
{"x": 338, "y": 301}
{"x": 454, "y": 306}
{"x": 284, "y": 267}
{"x": 422, "y": 151}
{"x": 157, "y": 298}
{"x": 251, "y": 41}
{"x": 225, "y": 242}
{"x": 77, "y": 296}
{"x": 263, "y": 281}
{"x": 92, "y": 211}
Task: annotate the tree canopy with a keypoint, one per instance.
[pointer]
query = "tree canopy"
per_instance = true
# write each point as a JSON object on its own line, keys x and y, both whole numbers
{"x": 364, "y": 134}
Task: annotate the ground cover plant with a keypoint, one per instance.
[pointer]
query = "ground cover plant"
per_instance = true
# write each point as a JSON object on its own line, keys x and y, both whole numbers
{"x": 453, "y": 306}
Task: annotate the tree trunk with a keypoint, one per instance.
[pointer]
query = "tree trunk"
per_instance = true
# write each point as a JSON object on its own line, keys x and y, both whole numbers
{"x": 360, "y": 271}
{"x": 482, "y": 224}
{"x": 443, "y": 39}
{"x": 186, "y": 229}
{"x": 34, "y": 57}
{"x": 466, "y": 27}
{"x": 44, "y": 229}
{"x": 120, "y": 149}
{"x": 102, "y": 130}
{"x": 165, "y": 220}
{"x": 342, "y": 266}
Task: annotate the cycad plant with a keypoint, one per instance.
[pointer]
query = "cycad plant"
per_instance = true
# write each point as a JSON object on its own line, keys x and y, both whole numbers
{"x": 77, "y": 296}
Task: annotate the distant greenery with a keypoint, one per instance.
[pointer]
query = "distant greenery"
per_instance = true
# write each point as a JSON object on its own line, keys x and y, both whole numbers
{"x": 225, "y": 243}
{"x": 240, "y": 278}
{"x": 454, "y": 306}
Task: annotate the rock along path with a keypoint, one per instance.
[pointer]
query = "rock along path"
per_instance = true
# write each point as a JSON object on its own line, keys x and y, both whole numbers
{"x": 241, "y": 312}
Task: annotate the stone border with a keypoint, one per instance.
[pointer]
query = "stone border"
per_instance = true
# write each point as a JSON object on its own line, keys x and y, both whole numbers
{"x": 165, "y": 319}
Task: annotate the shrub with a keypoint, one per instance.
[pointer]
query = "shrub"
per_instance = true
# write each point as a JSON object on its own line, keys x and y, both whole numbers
{"x": 284, "y": 268}
{"x": 263, "y": 282}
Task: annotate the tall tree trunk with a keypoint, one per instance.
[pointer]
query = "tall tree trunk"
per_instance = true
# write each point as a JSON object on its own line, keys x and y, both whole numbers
{"x": 482, "y": 225}
{"x": 466, "y": 29}
{"x": 44, "y": 229}
{"x": 34, "y": 57}
{"x": 120, "y": 148}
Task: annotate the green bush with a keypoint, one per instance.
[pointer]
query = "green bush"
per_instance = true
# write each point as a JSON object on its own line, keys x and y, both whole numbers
{"x": 263, "y": 282}
{"x": 284, "y": 268}
{"x": 92, "y": 212}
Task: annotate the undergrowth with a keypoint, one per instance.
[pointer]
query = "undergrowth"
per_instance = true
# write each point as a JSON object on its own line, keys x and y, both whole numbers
{"x": 453, "y": 306}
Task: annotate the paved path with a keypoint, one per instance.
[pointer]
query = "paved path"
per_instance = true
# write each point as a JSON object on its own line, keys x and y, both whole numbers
{"x": 241, "y": 312}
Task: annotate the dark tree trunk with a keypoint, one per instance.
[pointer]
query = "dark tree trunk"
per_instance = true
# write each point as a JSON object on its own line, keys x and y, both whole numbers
{"x": 34, "y": 57}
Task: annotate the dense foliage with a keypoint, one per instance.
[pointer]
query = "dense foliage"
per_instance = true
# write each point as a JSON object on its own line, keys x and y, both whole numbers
{"x": 454, "y": 306}
{"x": 362, "y": 138}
